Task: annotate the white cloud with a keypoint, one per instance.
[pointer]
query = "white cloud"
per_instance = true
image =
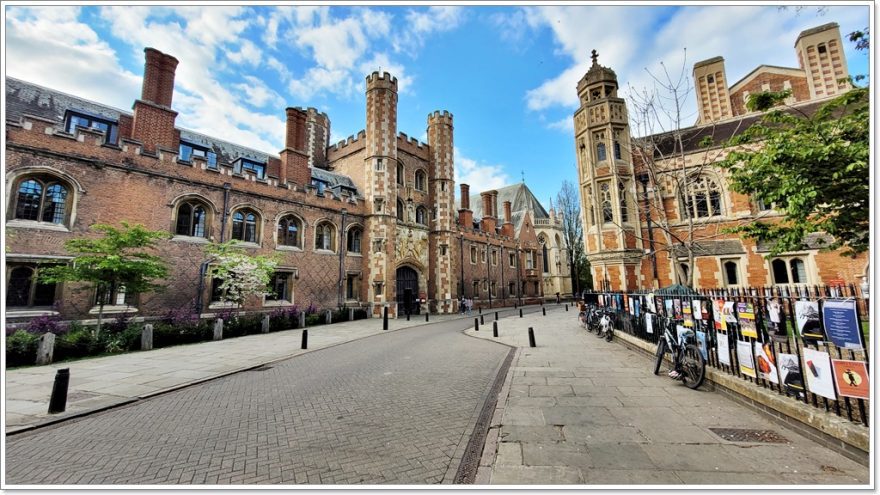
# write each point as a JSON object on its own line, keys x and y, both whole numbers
{"x": 258, "y": 93}
{"x": 516, "y": 28}
{"x": 248, "y": 54}
{"x": 320, "y": 79}
{"x": 565, "y": 124}
{"x": 381, "y": 62}
{"x": 283, "y": 72}
{"x": 419, "y": 24}
{"x": 37, "y": 38}
{"x": 480, "y": 176}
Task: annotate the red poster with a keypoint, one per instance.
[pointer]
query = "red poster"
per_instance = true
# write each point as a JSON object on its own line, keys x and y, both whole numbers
{"x": 851, "y": 378}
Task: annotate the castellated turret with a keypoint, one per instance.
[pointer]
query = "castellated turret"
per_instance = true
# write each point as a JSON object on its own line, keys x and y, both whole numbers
{"x": 317, "y": 137}
{"x": 442, "y": 168}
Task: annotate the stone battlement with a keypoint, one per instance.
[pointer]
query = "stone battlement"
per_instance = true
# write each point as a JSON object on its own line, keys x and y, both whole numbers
{"x": 383, "y": 80}
{"x": 444, "y": 117}
{"x": 347, "y": 141}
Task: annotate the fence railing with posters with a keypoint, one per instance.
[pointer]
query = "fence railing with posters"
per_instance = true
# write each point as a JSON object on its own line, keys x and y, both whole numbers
{"x": 806, "y": 343}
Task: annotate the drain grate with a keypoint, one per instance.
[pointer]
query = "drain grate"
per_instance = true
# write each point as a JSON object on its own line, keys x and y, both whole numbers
{"x": 748, "y": 435}
{"x": 263, "y": 368}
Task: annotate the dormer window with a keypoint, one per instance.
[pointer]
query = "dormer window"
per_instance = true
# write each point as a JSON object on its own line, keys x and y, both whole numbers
{"x": 188, "y": 150}
{"x": 77, "y": 119}
{"x": 244, "y": 165}
{"x": 320, "y": 186}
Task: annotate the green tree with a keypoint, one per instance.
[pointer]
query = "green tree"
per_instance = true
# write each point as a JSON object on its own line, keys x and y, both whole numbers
{"x": 241, "y": 274}
{"x": 812, "y": 168}
{"x": 118, "y": 259}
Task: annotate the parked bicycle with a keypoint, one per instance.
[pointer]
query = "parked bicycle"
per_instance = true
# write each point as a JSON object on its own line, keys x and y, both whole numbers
{"x": 688, "y": 364}
{"x": 605, "y": 325}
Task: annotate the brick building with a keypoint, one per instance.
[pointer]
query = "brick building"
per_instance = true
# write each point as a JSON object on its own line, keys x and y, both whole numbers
{"x": 676, "y": 184}
{"x": 368, "y": 222}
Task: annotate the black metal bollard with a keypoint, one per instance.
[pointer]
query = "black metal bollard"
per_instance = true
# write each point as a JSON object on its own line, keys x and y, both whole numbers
{"x": 494, "y": 328}
{"x": 544, "y": 311}
{"x": 482, "y": 320}
{"x": 480, "y": 309}
{"x": 407, "y": 316}
{"x": 496, "y": 316}
{"x": 385, "y": 318}
{"x": 58, "y": 400}
{"x": 476, "y": 324}
{"x": 531, "y": 337}
{"x": 426, "y": 316}
{"x": 515, "y": 305}
{"x": 566, "y": 306}
{"x": 520, "y": 312}
{"x": 305, "y": 340}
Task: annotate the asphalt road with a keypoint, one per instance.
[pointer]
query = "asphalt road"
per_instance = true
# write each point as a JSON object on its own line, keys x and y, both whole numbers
{"x": 394, "y": 408}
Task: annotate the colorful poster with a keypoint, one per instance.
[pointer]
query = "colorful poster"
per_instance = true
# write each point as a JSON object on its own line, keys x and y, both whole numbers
{"x": 697, "y": 309}
{"x": 775, "y": 327}
{"x": 842, "y": 323}
{"x": 790, "y": 374}
{"x": 649, "y": 323}
{"x": 632, "y": 305}
{"x": 652, "y": 304}
{"x": 701, "y": 343}
{"x": 601, "y": 300}
{"x": 774, "y": 311}
{"x": 626, "y": 302}
{"x": 704, "y": 310}
{"x": 676, "y": 309}
{"x": 807, "y": 316}
{"x": 746, "y": 313}
{"x": 723, "y": 347}
{"x": 765, "y": 362}
{"x": 746, "y": 360}
{"x": 728, "y": 312}
{"x": 817, "y": 369}
{"x": 688, "y": 315}
{"x": 718, "y": 314}
{"x": 637, "y": 307}
{"x": 851, "y": 378}
{"x": 669, "y": 308}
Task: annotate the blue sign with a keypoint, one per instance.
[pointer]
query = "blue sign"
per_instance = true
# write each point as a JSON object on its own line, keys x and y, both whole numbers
{"x": 842, "y": 323}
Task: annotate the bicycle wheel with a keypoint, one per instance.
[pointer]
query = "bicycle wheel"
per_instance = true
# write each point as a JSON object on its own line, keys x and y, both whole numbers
{"x": 693, "y": 366}
{"x": 661, "y": 350}
{"x": 609, "y": 333}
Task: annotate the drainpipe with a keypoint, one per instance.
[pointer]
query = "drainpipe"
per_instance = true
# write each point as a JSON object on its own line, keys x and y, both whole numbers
{"x": 461, "y": 263}
{"x": 501, "y": 268}
{"x": 488, "y": 274}
{"x": 518, "y": 278}
{"x": 203, "y": 268}
{"x": 341, "y": 261}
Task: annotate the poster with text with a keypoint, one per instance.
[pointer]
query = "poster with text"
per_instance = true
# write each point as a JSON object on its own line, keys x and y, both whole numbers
{"x": 723, "y": 347}
{"x": 676, "y": 309}
{"x": 701, "y": 343}
{"x": 601, "y": 300}
{"x": 668, "y": 304}
{"x": 626, "y": 302}
{"x": 637, "y": 305}
{"x": 632, "y": 306}
{"x": 728, "y": 312}
{"x": 746, "y": 313}
{"x": 851, "y": 378}
{"x": 842, "y": 323}
{"x": 697, "y": 309}
{"x": 704, "y": 310}
{"x": 817, "y": 369}
{"x": 807, "y": 316}
{"x": 746, "y": 360}
{"x": 765, "y": 363}
{"x": 718, "y": 314}
{"x": 774, "y": 321}
{"x": 790, "y": 374}
{"x": 649, "y": 323}
{"x": 652, "y": 303}
{"x": 688, "y": 314}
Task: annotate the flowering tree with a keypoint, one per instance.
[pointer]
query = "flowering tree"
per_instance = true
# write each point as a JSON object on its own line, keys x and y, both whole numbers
{"x": 241, "y": 274}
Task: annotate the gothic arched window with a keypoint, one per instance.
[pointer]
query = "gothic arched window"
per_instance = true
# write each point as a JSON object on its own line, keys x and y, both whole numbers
{"x": 290, "y": 231}
{"x": 42, "y": 199}
{"x": 401, "y": 213}
{"x": 701, "y": 198}
{"x": 621, "y": 193}
{"x": 605, "y": 197}
{"x": 244, "y": 225}
{"x": 600, "y": 152}
{"x": 421, "y": 216}
{"x": 325, "y": 236}
{"x": 421, "y": 180}
{"x": 192, "y": 219}
{"x": 353, "y": 240}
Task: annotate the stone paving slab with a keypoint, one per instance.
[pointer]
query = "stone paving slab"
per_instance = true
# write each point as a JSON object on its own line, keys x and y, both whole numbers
{"x": 136, "y": 375}
{"x": 607, "y": 420}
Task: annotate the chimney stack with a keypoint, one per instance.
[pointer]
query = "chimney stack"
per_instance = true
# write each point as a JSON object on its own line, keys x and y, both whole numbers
{"x": 153, "y": 121}
{"x": 487, "y": 223}
{"x": 494, "y": 205}
{"x": 507, "y": 226}
{"x": 294, "y": 157}
{"x": 465, "y": 215}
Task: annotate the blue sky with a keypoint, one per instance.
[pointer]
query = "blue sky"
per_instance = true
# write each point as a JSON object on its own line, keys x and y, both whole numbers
{"x": 507, "y": 73}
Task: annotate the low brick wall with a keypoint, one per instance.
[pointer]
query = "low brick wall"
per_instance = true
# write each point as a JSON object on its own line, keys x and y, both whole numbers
{"x": 837, "y": 433}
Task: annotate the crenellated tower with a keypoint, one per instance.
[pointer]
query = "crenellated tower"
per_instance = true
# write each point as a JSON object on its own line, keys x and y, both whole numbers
{"x": 442, "y": 288}
{"x": 605, "y": 174}
{"x": 380, "y": 193}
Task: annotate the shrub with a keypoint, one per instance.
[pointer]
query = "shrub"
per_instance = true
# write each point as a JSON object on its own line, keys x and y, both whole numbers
{"x": 46, "y": 324}
{"x": 242, "y": 325}
{"x": 339, "y": 315}
{"x": 314, "y": 319}
{"x": 21, "y": 348}
{"x": 360, "y": 314}
{"x": 284, "y": 318}
{"x": 166, "y": 334}
{"x": 79, "y": 341}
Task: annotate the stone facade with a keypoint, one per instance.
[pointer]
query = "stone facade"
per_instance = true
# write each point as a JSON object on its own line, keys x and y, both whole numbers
{"x": 621, "y": 184}
{"x": 368, "y": 222}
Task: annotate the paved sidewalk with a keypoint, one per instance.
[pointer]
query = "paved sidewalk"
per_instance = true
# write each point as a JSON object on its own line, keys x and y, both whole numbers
{"x": 579, "y": 410}
{"x": 97, "y": 383}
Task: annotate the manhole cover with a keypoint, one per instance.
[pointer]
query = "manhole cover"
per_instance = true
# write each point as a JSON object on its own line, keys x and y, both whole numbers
{"x": 262, "y": 368}
{"x": 748, "y": 435}
{"x": 75, "y": 396}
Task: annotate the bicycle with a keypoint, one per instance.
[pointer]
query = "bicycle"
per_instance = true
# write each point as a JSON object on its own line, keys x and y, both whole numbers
{"x": 605, "y": 325}
{"x": 688, "y": 364}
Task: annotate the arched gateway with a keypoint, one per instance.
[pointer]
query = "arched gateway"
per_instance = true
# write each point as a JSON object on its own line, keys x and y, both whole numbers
{"x": 407, "y": 291}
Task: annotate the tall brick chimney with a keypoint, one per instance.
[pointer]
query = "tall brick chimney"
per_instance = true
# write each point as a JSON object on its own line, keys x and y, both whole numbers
{"x": 494, "y": 205}
{"x": 487, "y": 223}
{"x": 507, "y": 226}
{"x": 465, "y": 215}
{"x": 153, "y": 121}
{"x": 295, "y": 157}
